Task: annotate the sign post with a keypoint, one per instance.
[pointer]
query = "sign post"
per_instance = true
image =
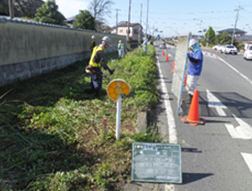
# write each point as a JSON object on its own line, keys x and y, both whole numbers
{"x": 115, "y": 89}
{"x": 118, "y": 117}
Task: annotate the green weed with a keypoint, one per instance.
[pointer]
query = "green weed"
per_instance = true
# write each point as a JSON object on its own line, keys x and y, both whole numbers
{"x": 51, "y": 127}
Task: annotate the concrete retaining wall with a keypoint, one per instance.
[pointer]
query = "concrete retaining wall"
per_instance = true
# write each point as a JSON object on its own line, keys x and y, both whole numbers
{"x": 28, "y": 49}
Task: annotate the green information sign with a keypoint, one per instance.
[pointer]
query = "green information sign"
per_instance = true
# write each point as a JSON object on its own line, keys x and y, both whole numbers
{"x": 156, "y": 162}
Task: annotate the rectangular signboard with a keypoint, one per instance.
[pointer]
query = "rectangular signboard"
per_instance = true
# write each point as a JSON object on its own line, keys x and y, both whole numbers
{"x": 180, "y": 67}
{"x": 156, "y": 162}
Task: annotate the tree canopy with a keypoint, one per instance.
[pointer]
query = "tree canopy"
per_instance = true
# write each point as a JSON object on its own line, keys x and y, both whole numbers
{"x": 223, "y": 38}
{"x": 84, "y": 21}
{"x": 100, "y": 8}
{"x": 48, "y": 13}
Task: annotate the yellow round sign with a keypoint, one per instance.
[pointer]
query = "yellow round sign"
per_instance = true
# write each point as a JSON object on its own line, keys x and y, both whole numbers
{"x": 116, "y": 88}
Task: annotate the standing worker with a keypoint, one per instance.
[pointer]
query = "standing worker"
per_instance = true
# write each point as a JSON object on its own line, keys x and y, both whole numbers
{"x": 97, "y": 61}
{"x": 92, "y": 43}
{"x": 121, "y": 49}
{"x": 144, "y": 45}
{"x": 194, "y": 68}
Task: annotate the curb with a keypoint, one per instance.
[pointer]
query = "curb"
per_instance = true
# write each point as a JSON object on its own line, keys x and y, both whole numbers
{"x": 142, "y": 186}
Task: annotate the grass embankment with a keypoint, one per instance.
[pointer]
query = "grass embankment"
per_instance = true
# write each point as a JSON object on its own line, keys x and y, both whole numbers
{"x": 51, "y": 128}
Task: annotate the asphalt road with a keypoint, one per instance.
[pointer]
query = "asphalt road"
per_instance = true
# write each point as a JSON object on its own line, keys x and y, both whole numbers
{"x": 218, "y": 155}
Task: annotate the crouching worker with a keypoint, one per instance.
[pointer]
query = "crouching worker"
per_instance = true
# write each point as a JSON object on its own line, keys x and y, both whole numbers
{"x": 97, "y": 61}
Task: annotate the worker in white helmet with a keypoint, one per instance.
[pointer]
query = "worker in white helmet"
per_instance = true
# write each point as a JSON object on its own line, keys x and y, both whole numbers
{"x": 121, "y": 49}
{"x": 97, "y": 61}
{"x": 144, "y": 45}
{"x": 194, "y": 68}
{"x": 92, "y": 43}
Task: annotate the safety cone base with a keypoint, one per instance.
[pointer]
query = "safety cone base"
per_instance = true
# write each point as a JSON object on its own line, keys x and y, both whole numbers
{"x": 193, "y": 123}
{"x": 193, "y": 117}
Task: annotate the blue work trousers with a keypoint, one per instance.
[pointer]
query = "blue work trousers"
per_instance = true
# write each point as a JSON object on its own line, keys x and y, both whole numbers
{"x": 96, "y": 78}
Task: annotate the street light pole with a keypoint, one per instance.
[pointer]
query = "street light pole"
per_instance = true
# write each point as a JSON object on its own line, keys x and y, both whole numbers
{"x": 117, "y": 19}
{"x": 147, "y": 19}
{"x": 207, "y": 37}
{"x": 139, "y": 31}
{"x": 128, "y": 24}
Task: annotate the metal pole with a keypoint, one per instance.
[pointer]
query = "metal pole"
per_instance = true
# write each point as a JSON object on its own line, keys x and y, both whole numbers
{"x": 11, "y": 8}
{"x": 118, "y": 117}
{"x": 117, "y": 19}
{"x": 128, "y": 24}
{"x": 147, "y": 18}
{"x": 207, "y": 37}
{"x": 237, "y": 14}
{"x": 139, "y": 34}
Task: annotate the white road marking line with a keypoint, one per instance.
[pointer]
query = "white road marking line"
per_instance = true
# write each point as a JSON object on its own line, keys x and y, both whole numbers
{"x": 245, "y": 77}
{"x": 248, "y": 159}
{"x": 215, "y": 103}
{"x": 209, "y": 54}
{"x": 168, "y": 109}
{"x": 234, "y": 134}
{"x": 243, "y": 131}
{"x": 170, "y": 119}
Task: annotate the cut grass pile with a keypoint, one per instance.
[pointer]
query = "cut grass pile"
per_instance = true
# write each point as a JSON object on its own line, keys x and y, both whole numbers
{"x": 51, "y": 128}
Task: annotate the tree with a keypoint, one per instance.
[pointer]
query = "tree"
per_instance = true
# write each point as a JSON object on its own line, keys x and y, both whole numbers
{"x": 48, "y": 13}
{"x": 223, "y": 38}
{"x": 100, "y": 8}
{"x": 210, "y": 34}
{"x": 84, "y": 21}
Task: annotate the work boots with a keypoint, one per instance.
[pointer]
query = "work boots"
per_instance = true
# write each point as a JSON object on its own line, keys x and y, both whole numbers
{"x": 96, "y": 94}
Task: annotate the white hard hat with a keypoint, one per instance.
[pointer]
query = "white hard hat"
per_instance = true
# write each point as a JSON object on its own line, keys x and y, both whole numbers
{"x": 107, "y": 40}
{"x": 93, "y": 37}
{"x": 192, "y": 42}
{"x": 120, "y": 41}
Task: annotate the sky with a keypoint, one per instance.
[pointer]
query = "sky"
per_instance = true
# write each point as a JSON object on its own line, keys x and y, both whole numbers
{"x": 177, "y": 17}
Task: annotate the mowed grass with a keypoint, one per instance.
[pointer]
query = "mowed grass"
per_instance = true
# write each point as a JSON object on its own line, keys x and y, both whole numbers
{"x": 51, "y": 127}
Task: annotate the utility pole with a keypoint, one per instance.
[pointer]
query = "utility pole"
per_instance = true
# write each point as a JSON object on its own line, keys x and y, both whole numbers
{"x": 128, "y": 24}
{"x": 237, "y": 15}
{"x": 207, "y": 38}
{"x": 147, "y": 19}
{"x": 11, "y": 8}
{"x": 117, "y": 18}
{"x": 139, "y": 31}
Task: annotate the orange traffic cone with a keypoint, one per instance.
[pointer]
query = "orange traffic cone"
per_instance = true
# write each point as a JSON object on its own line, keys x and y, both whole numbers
{"x": 185, "y": 80}
{"x": 173, "y": 65}
{"x": 217, "y": 54}
{"x": 193, "y": 116}
{"x": 163, "y": 53}
{"x": 167, "y": 57}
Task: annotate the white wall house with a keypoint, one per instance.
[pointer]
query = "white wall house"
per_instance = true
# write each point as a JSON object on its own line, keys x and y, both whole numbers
{"x": 134, "y": 29}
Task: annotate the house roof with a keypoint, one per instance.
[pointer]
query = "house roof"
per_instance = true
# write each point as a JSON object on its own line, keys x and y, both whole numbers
{"x": 125, "y": 24}
{"x": 231, "y": 30}
{"x": 71, "y": 19}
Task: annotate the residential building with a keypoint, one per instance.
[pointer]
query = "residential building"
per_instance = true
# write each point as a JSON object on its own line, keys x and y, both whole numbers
{"x": 135, "y": 30}
{"x": 230, "y": 31}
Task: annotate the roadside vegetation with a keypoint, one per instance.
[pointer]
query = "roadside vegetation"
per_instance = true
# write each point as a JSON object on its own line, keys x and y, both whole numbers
{"x": 51, "y": 128}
